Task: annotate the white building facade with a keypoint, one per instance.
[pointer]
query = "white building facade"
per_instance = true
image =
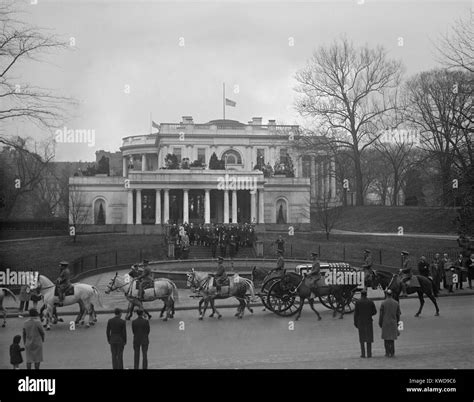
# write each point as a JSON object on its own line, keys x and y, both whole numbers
{"x": 153, "y": 192}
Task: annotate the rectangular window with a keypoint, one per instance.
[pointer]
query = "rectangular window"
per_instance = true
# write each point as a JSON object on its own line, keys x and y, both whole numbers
{"x": 202, "y": 155}
{"x": 261, "y": 155}
{"x": 283, "y": 152}
{"x": 177, "y": 152}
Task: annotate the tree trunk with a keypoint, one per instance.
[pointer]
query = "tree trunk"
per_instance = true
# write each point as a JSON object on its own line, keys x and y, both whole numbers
{"x": 359, "y": 183}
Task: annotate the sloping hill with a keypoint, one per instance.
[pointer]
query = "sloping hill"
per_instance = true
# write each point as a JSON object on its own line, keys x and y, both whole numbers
{"x": 388, "y": 219}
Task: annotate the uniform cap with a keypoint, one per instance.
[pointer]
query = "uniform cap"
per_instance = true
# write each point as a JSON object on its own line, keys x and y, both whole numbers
{"x": 63, "y": 264}
{"x": 404, "y": 252}
{"x": 367, "y": 250}
{"x": 314, "y": 253}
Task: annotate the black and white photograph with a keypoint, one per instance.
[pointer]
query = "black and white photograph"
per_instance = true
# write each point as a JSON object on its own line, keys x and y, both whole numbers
{"x": 237, "y": 187}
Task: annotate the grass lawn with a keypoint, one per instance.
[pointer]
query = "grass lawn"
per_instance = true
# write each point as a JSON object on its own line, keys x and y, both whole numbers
{"x": 44, "y": 254}
{"x": 388, "y": 219}
{"x": 389, "y": 247}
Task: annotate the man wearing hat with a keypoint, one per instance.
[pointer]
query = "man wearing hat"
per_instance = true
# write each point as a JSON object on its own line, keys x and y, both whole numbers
{"x": 367, "y": 260}
{"x": 63, "y": 283}
{"x": 220, "y": 277}
{"x": 406, "y": 272}
{"x": 315, "y": 273}
{"x": 145, "y": 279}
{"x": 364, "y": 310}
{"x": 388, "y": 320}
{"x": 280, "y": 267}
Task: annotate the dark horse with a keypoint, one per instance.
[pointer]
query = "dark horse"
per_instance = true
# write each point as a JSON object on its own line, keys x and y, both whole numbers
{"x": 307, "y": 289}
{"x": 389, "y": 280}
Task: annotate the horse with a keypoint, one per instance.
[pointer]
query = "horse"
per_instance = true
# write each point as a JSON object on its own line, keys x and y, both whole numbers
{"x": 388, "y": 280}
{"x": 5, "y": 292}
{"x": 163, "y": 289}
{"x": 83, "y": 295}
{"x": 238, "y": 287}
{"x": 306, "y": 289}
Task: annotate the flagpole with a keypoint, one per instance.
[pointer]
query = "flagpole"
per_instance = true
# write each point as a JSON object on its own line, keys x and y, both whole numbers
{"x": 223, "y": 98}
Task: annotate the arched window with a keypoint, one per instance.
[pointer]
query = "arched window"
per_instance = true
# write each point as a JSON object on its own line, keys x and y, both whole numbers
{"x": 281, "y": 207}
{"x": 232, "y": 157}
{"x": 99, "y": 212}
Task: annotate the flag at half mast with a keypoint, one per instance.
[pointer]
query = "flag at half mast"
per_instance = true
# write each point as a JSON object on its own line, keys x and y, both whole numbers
{"x": 229, "y": 102}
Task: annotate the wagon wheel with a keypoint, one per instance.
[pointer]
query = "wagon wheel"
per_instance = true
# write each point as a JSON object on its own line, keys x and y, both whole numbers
{"x": 326, "y": 301}
{"x": 349, "y": 301}
{"x": 282, "y": 302}
{"x": 264, "y": 291}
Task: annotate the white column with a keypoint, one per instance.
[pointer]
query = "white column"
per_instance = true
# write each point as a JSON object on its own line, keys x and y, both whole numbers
{"x": 333, "y": 178}
{"x": 261, "y": 206}
{"x": 226, "y": 206}
{"x": 158, "y": 207}
{"x": 143, "y": 162}
{"x": 320, "y": 181}
{"x": 313, "y": 177}
{"x": 139, "y": 207}
{"x": 326, "y": 179}
{"x": 125, "y": 166}
{"x": 130, "y": 207}
{"x": 234, "y": 206}
{"x": 157, "y": 160}
{"x": 185, "y": 207}
{"x": 253, "y": 209}
{"x": 166, "y": 207}
{"x": 207, "y": 206}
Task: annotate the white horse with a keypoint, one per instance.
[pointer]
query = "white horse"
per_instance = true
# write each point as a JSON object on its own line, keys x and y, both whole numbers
{"x": 5, "y": 292}
{"x": 163, "y": 289}
{"x": 83, "y": 295}
{"x": 203, "y": 283}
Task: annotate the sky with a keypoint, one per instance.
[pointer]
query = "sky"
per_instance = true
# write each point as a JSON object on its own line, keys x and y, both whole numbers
{"x": 136, "y": 59}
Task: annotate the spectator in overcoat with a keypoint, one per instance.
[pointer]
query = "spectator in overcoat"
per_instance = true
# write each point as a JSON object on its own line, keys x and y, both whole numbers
{"x": 33, "y": 338}
{"x": 140, "y": 329}
{"x": 364, "y": 310}
{"x": 117, "y": 338}
{"x": 470, "y": 270}
{"x": 389, "y": 318}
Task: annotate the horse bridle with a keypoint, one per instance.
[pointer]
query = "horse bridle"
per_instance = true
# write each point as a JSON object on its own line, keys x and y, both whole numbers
{"x": 110, "y": 286}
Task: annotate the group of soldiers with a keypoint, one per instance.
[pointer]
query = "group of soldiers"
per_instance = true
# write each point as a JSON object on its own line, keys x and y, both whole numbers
{"x": 441, "y": 270}
{"x": 225, "y": 238}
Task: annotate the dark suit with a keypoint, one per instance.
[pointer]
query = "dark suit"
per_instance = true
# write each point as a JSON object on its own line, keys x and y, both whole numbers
{"x": 388, "y": 321}
{"x": 140, "y": 329}
{"x": 117, "y": 338}
{"x": 364, "y": 310}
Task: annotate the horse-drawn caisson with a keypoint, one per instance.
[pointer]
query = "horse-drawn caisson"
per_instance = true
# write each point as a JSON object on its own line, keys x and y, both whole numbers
{"x": 284, "y": 293}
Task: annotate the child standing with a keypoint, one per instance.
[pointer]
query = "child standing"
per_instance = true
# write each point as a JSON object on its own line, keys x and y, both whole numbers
{"x": 15, "y": 352}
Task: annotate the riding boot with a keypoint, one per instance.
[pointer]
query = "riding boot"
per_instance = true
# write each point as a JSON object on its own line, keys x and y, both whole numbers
{"x": 362, "y": 349}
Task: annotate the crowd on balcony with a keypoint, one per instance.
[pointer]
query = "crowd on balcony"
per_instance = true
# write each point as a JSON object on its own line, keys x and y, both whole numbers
{"x": 282, "y": 168}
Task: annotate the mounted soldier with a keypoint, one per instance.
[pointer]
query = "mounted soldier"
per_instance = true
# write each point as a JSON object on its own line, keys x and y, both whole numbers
{"x": 63, "y": 283}
{"x": 145, "y": 279}
{"x": 220, "y": 277}
{"x": 408, "y": 279}
{"x": 135, "y": 272}
{"x": 315, "y": 273}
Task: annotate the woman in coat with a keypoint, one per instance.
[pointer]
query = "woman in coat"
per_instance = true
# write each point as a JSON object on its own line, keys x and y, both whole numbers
{"x": 33, "y": 338}
{"x": 388, "y": 321}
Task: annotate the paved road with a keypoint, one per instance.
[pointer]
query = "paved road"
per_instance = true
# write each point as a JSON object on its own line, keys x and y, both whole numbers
{"x": 263, "y": 340}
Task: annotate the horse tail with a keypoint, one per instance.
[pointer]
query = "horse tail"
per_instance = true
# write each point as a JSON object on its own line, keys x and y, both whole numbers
{"x": 174, "y": 293}
{"x": 98, "y": 296}
{"x": 251, "y": 287}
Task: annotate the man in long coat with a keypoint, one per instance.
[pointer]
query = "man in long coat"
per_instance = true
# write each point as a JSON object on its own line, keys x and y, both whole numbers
{"x": 388, "y": 321}
{"x": 33, "y": 338}
{"x": 117, "y": 338}
{"x": 364, "y": 310}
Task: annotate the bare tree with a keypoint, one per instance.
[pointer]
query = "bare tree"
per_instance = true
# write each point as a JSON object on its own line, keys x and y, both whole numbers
{"x": 348, "y": 91}
{"x": 78, "y": 211}
{"x": 438, "y": 103}
{"x": 326, "y": 214}
{"x": 23, "y": 171}
{"x": 21, "y": 101}
{"x": 456, "y": 48}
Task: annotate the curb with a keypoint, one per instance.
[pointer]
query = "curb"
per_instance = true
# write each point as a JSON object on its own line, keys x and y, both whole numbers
{"x": 187, "y": 308}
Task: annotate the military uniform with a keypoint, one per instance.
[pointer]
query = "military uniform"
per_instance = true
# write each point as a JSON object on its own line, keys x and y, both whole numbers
{"x": 220, "y": 277}
{"x": 63, "y": 282}
{"x": 146, "y": 279}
